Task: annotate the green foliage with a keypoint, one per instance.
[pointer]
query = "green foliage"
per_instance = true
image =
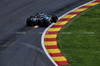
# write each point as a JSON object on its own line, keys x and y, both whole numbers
{"x": 79, "y": 40}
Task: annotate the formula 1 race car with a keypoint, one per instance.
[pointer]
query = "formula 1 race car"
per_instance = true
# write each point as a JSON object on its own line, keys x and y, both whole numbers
{"x": 41, "y": 19}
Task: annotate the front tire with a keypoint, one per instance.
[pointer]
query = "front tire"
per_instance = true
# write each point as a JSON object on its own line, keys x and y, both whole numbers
{"x": 54, "y": 18}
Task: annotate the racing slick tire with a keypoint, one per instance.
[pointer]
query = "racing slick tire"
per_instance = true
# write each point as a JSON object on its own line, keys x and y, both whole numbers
{"x": 46, "y": 23}
{"x": 29, "y": 22}
{"x": 40, "y": 23}
{"x": 54, "y": 18}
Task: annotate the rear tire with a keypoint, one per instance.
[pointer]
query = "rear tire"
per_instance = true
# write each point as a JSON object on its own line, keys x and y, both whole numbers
{"x": 45, "y": 23}
{"x": 28, "y": 22}
{"x": 40, "y": 23}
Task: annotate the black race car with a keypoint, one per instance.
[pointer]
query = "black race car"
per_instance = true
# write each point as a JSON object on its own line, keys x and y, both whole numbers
{"x": 41, "y": 19}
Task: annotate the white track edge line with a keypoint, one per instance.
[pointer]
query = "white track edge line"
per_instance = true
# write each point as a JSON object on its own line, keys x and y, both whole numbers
{"x": 42, "y": 42}
{"x": 43, "y": 34}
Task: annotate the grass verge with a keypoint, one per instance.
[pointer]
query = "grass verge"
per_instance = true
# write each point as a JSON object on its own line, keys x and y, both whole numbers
{"x": 79, "y": 40}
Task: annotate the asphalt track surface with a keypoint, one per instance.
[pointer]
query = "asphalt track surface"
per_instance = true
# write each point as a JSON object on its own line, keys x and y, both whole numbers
{"x": 21, "y": 45}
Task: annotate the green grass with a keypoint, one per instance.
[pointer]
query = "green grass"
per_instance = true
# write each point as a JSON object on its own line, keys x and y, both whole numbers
{"x": 79, "y": 40}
